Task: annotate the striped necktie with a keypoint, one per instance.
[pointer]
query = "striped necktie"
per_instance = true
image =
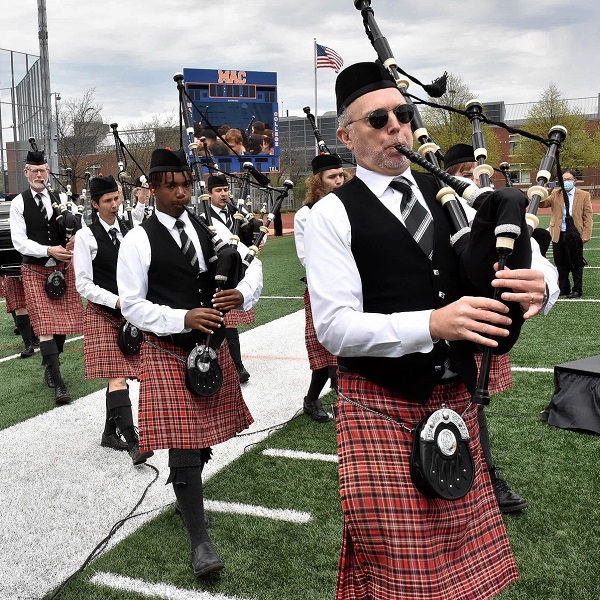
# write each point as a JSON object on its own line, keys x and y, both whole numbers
{"x": 40, "y": 203}
{"x": 226, "y": 218}
{"x": 186, "y": 244}
{"x": 113, "y": 235}
{"x": 417, "y": 219}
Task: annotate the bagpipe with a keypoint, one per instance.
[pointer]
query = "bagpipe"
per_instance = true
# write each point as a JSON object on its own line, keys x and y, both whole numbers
{"x": 122, "y": 175}
{"x": 323, "y": 149}
{"x": 203, "y": 373}
{"x": 499, "y": 231}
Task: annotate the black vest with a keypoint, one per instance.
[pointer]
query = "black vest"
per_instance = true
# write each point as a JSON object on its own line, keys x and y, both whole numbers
{"x": 397, "y": 277}
{"x": 105, "y": 263}
{"x": 172, "y": 281}
{"x": 38, "y": 229}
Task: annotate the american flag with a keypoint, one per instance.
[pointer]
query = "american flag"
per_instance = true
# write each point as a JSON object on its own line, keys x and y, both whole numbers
{"x": 328, "y": 58}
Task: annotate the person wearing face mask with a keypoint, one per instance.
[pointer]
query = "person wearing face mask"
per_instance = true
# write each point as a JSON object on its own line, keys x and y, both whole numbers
{"x": 328, "y": 175}
{"x": 580, "y": 209}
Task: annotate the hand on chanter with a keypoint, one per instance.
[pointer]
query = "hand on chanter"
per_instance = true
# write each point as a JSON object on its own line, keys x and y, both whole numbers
{"x": 471, "y": 318}
{"x": 527, "y": 287}
{"x": 206, "y": 320}
{"x": 227, "y": 299}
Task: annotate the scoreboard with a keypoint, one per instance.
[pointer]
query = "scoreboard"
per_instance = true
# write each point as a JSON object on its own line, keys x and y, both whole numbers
{"x": 236, "y": 99}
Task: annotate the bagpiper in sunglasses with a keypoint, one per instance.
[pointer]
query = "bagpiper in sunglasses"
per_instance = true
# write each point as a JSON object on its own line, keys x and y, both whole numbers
{"x": 379, "y": 117}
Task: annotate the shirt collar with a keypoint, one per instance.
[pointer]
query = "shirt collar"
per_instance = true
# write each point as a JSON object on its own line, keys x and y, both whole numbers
{"x": 107, "y": 226}
{"x": 169, "y": 222}
{"x": 377, "y": 182}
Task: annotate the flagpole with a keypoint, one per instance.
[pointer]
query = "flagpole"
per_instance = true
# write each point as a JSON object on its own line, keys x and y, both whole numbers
{"x": 316, "y": 113}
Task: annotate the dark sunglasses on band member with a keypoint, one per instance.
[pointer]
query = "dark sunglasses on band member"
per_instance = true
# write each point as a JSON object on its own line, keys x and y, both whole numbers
{"x": 378, "y": 118}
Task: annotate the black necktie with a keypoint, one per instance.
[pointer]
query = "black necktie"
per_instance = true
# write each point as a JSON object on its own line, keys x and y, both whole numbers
{"x": 226, "y": 218}
{"x": 40, "y": 203}
{"x": 417, "y": 219}
{"x": 113, "y": 234}
{"x": 186, "y": 244}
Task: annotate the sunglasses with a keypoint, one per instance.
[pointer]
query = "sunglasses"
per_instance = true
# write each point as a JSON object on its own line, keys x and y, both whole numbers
{"x": 378, "y": 119}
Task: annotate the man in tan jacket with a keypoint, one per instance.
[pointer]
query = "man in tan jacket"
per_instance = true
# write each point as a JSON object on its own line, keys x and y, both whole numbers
{"x": 580, "y": 207}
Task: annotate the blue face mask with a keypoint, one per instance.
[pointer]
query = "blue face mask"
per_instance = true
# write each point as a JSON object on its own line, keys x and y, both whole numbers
{"x": 569, "y": 185}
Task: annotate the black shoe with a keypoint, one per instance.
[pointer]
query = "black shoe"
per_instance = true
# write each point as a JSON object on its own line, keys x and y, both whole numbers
{"x": 243, "y": 375}
{"x": 61, "y": 394}
{"x": 48, "y": 377}
{"x": 574, "y": 295}
{"x": 28, "y": 350}
{"x": 508, "y": 500}
{"x": 178, "y": 511}
{"x": 16, "y": 331}
{"x": 114, "y": 441}
{"x": 138, "y": 457}
{"x": 315, "y": 411}
{"x": 205, "y": 560}
{"x": 35, "y": 341}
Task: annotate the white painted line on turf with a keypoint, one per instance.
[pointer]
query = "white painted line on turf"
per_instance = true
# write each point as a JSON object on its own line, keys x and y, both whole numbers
{"x": 531, "y": 370}
{"x": 281, "y": 297}
{"x": 12, "y": 356}
{"x": 277, "y": 514}
{"x": 154, "y": 590}
{"x": 578, "y": 300}
{"x": 280, "y": 453}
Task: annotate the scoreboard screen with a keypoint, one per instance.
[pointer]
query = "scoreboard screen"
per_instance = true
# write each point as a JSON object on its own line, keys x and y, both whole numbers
{"x": 231, "y": 99}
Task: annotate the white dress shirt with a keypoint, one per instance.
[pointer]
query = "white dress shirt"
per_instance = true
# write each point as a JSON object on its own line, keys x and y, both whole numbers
{"x": 336, "y": 289}
{"x": 132, "y": 277}
{"x": 84, "y": 252}
{"x": 299, "y": 225}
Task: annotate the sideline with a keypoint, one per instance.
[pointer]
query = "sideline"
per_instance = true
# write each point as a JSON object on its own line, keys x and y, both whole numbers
{"x": 61, "y": 492}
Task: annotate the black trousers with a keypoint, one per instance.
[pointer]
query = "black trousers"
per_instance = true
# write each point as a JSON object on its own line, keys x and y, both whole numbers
{"x": 563, "y": 265}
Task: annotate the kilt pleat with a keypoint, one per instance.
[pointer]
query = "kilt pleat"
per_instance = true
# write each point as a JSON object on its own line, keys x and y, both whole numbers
{"x": 52, "y": 316}
{"x": 318, "y": 356}
{"x": 102, "y": 356}
{"x": 500, "y": 374}
{"x": 170, "y": 416}
{"x": 13, "y": 292}
{"x": 396, "y": 542}
{"x": 239, "y": 317}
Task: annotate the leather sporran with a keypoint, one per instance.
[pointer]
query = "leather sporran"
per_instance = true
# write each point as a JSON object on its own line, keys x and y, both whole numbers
{"x": 203, "y": 375}
{"x": 441, "y": 464}
{"x": 130, "y": 339}
{"x": 56, "y": 286}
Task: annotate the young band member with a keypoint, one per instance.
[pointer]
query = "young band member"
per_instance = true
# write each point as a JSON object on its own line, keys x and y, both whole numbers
{"x": 459, "y": 160}
{"x": 140, "y": 199}
{"x": 218, "y": 190}
{"x": 95, "y": 259}
{"x": 387, "y": 300}
{"x": 167, "y": 288}
{"x": 47, "y": 253}
{"x": 327, "y": 175}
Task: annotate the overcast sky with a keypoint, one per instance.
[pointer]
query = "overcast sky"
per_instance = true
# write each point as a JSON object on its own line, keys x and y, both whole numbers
{"x": 128, "y": 50}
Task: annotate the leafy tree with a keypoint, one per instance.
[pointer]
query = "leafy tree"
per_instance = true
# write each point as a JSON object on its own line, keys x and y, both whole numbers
{"x": 580, "y": 148}
{"x": 448, "y": 128}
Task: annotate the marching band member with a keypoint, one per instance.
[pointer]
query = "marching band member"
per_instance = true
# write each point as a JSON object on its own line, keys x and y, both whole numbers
{"x": 46, "y": 269}
{"x": 14, "y": 295}
{"x": 328, "y": 175}
{"x": 387, "y": 300}
{"x": 167, "y": 288}
{"x": 218, "y": 190}
{"x": 95, "y": 259}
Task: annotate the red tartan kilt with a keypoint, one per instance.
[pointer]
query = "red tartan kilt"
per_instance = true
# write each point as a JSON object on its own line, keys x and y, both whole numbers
{"x": 500, "y": 374}
{"x": 239, "y": 317}
{"x": 48, "y": 316}
{"x": 318, "y": 356}
{"x": 102, "y": 356}
{"x": 170, "y": 416}
{"x": 397, "y": 543}
{"x": 12, "y": 290}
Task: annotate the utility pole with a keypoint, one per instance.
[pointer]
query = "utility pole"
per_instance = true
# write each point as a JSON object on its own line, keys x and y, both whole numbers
{"x": 49, "y": 146}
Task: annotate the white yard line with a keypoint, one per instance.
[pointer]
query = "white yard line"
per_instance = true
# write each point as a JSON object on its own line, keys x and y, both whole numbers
{"x": 60, "y": 492}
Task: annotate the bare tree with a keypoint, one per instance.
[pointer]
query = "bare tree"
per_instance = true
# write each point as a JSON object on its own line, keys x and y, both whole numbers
{"x": 80, "y": 129}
